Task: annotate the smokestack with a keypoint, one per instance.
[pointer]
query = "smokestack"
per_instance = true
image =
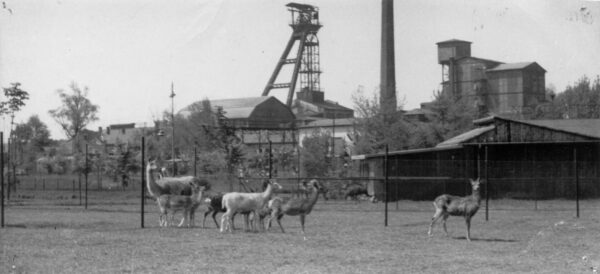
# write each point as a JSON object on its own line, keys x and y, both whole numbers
{"x": 387, "y": 98}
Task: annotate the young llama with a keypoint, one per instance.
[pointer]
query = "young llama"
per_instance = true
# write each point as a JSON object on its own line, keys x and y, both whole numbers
{"x": 184, "y": 203}
{"x": 449, "y": 205}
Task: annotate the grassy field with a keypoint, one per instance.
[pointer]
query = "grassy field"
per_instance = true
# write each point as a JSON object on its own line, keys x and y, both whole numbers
{"x": 47, "y": 232}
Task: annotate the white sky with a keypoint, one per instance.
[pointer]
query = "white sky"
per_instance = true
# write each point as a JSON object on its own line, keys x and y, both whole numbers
{"x": 128, "y": 51}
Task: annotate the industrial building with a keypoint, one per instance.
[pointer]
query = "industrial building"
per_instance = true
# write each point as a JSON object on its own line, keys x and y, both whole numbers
{"x": 494, "y": 87}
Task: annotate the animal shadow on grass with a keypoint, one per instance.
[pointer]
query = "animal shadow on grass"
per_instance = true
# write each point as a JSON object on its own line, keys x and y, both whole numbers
{"x": 486, "y": 240}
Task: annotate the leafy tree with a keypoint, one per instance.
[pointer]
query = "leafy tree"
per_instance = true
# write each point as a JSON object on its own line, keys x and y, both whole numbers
{"x": 16, "y": 98}
{"x": 76, "y": 112}
{"x": 578, "y": 101}
{"x": 33, "y": 132}
{"x": 314, "y": 153}
{"x": 375, "y": 129}
{"x": 30, "y": 139}
{"x": 222, "y": 136}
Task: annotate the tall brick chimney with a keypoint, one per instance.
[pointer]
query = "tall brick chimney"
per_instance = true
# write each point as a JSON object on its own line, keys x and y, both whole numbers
{"x": 387, "y": 98}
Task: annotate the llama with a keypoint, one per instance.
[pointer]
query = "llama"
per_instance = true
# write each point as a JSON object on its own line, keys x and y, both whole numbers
{"x": 237, "y": 202}
{"x": 301, "y": 206}
{"x": 170, "y": 185}
{"x": 446, "y": 205}
{"x": 215, "y": 206}
{"x": 175, "y": 203}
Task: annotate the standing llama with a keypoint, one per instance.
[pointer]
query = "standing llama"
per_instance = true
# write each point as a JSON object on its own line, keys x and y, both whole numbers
{"x": 170, "y": 185}
{"x": 184, "y": 203}
{"x": 296, "y": 206}
{"x": 449, "y": 205}
{"x": 238, "y": 202}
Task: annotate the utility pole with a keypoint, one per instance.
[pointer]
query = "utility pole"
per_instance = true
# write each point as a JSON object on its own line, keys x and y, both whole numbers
{"x": 173, "y": 128}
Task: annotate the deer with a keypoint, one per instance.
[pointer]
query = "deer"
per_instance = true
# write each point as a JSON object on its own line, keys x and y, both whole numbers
{"x": 296, "y": 206}
{"x": 185, "y": 203}
{"x": 448, "y": 205}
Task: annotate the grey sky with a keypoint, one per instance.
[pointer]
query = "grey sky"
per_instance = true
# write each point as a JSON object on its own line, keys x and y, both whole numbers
{"x": 128, "y": 52}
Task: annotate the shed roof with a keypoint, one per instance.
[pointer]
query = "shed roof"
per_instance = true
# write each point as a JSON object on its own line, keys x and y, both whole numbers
{"x": 515, "y": 66}
{"x": 587, "y": 127}
{"x": 462, "y": 138}
{"x": 584, "y": 127}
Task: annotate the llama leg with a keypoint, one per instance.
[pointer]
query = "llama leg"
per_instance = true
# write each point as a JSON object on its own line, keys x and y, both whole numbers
{"x": 204, "y": 220}
{"x": 468, "y": 221}
{"x": 302, "y": 217}
{"x": 214, "y": 216}
{"x": 279, "y": 222}
{"x": 224, "y": 217}
{"x": 435, "y": 218}
{"x": 444, "y": 223}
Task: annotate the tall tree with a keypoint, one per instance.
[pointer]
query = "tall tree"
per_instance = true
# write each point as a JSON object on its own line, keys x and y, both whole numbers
{"x": 76, "y": 112}
{"x": 314, "y": 154}
{"x": 223, "y": 137}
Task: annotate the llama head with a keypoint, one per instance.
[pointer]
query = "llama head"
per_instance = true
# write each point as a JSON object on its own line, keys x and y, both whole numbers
{"x": 273, "y": 184}
{"x": 152, "y": 165}
{"x": 475, "y": 184}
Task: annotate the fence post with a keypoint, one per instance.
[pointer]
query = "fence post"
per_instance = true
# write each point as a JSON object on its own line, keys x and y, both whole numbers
{"x": 144, "y": 181}
{"x": 73, "y": 183}
{"x": 56, "y": 183}
{"x": 2, "y": 176}
{"x": 576, "y": 180}
{"x": 79, "y": 182}
{"x": 487, "y": 185}
{"x": 86, "y": 175}
{"x": 385, "y": 167}
{"x": 195, "y": 162}
{"x": 43, "y": 184}
{"x": 270, "y": 160}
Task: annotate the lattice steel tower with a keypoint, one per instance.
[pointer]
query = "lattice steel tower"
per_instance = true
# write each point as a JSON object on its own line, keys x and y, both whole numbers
{"x": 305, "y": 25}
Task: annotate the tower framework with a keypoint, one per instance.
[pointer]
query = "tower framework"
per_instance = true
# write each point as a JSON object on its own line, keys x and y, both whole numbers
{"x": 305, "y": 25}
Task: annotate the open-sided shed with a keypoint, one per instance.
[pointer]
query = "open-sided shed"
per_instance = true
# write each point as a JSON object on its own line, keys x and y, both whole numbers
{"x": 521, "y": 159}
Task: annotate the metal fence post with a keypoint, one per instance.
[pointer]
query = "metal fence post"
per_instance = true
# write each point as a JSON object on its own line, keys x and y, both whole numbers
{"x": 487, "y": 185}
{"x": 2, "y": 176}
{"x": 143, "y": 181}
{"x": 386, "y": 182}
{"x": 195, "y": 162}
{"x": 576, "y": 180}
{"x": 86, "y": 176}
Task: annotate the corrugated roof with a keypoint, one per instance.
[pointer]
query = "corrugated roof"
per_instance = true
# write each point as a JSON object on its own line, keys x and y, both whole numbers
{"x": 453, "y": 41}
{"x": 514, "y": 66}
{"x": 462, "y": 138}
{"x": 587, "y": 127}
{"x": 234, "y": 108}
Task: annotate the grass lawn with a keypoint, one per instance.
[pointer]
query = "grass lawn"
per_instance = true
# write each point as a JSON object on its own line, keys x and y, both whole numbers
{"x": 47, "y": 232}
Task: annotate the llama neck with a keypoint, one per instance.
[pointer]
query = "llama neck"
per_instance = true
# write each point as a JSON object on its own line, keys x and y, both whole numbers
{"x": 476, "y": 195}
{"x": 268, "y": 192}
{"x": 154, "y": 189}
{"x": 314, "y": 196}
